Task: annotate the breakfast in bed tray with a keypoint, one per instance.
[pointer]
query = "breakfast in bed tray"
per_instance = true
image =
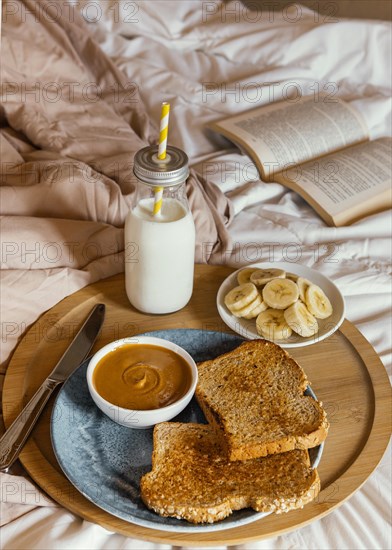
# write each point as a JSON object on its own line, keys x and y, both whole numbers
{"x": 192, "y": 430}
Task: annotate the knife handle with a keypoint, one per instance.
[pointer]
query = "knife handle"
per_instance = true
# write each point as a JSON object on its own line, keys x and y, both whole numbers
{"x": 13, "y": 440}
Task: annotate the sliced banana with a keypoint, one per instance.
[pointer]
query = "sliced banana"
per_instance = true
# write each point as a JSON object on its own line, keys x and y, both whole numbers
{"x": 272, "y": 325}
{"x": 241, "y": 296}
{"x": 255, "y": 311}
{"x": 244, "y": 311}
{"x": 317, "y": 302}
{"x": 292, "y": 277}
{"x": 299, "y": 318}
{"x": 285, "y": 303}
{"x": 280, "y": 293}
{"x": 303, "y": 285}
{"x": 262, "y": 276}
{"x": 244, "y": 275}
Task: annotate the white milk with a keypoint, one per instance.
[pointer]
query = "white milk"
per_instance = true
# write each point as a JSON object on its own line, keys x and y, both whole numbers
{"x": 159, "y": 256}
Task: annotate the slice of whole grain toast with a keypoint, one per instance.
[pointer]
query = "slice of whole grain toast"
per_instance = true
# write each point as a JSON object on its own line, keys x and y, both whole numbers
{"x": 254, "y": 396}
{"x": 192, "y": 479}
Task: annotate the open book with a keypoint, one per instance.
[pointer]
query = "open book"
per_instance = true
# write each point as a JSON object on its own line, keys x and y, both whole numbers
{"x": 321, "y": 150}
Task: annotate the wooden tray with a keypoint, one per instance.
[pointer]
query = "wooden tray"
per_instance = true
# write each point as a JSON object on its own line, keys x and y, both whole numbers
{"x": 345, "y": 371}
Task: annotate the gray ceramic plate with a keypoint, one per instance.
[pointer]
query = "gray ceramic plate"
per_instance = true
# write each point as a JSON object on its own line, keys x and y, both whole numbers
{"x": 105, "y": 461}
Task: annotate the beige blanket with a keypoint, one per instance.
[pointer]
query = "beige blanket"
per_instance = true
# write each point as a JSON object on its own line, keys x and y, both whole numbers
{"x": 71, "y": 123}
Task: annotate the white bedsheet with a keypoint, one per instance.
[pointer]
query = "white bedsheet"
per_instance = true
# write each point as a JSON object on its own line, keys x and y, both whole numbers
{"x": 207, "y": 63}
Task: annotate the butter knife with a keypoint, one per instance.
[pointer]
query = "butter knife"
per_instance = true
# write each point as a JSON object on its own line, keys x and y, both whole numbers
{"x": 15, "y": 437}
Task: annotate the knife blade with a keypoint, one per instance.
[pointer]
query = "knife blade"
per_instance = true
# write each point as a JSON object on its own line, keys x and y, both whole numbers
{"x": 12, "y": 442}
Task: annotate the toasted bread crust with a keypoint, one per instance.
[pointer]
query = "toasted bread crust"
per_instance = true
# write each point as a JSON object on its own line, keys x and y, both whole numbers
{"x": 191, "y": 479}
{"x": 286, "y": 419}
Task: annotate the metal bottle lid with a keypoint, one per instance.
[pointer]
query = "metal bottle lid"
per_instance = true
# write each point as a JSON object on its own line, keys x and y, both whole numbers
{"x": 170, "y": 171}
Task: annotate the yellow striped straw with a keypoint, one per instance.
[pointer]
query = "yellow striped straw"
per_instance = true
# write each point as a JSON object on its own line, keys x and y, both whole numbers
{"x": 163, "y": 130}
{"x": 158, "y": 192}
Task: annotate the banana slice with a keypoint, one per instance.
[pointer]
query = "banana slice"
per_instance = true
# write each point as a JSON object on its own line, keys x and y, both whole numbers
{"x": 272, "y": 325}
{"x": 241, "y": 296}
{"x": 244, "y": 275}
{"x": 244, "y": 311}
{"x": 255, "y": 311}
{"x": 317, "y": 302}
{"x": 303, "y": 285}
{"x": 292, "y": 277}
{"x": 262, "y": 276}
{"x": 280, "y": 293}
{"x": 299, "y": 318}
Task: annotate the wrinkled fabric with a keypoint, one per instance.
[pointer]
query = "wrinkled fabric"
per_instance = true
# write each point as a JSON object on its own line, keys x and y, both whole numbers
{"x": 70, "y": 131}
{"x": 209, "y": 59}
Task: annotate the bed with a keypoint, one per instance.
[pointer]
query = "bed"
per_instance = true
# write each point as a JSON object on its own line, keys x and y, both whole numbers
{"x": 82, "y": 86}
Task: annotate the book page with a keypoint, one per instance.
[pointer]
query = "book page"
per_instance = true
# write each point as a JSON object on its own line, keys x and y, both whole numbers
{"x": 348, "y": 184}
{"x": 286, "y": 133}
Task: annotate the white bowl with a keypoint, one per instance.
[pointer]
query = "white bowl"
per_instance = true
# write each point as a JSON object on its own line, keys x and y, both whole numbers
{"x": 141, "y": 419}
{"x": 247, "y": 328}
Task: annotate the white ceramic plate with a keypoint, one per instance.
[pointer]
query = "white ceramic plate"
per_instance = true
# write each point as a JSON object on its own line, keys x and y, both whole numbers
{"x": 247, "y": 328}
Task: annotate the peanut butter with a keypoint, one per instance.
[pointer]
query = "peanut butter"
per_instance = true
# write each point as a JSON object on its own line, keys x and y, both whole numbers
{"x": 142, "y": 377}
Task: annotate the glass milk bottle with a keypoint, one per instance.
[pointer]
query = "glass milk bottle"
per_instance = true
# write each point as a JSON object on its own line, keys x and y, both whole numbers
{"x": 160, "y": 248}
